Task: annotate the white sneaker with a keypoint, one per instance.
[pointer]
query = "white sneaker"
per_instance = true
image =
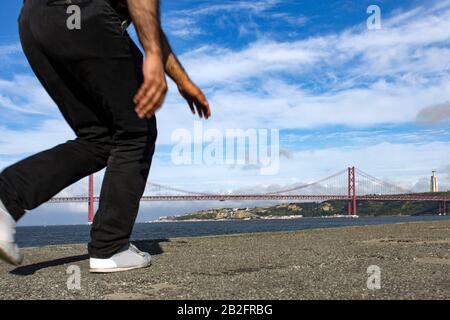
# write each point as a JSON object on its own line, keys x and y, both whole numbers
{"x": 129, "y": 258}
{"x": 9, "y": 251}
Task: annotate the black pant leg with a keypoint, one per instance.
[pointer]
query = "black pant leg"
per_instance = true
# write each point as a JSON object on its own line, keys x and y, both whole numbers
{"x": 134, "y": 139}
{"x": 109, "y": 66}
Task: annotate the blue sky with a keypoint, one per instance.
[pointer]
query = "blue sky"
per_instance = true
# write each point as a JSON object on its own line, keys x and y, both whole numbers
{"x": 340, "y": 94}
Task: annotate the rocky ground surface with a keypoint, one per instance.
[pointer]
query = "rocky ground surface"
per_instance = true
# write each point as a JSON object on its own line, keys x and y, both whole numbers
{"x": 414, "y": 260}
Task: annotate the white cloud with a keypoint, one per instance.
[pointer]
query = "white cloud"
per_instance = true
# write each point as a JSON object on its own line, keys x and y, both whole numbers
{"x": 183, "y": 27}
{"x": 184, "y": 23}
{"x": 211, "y": 65}
{"x": 29, "y": 141}
{"x": 24, "y": 94}
{"x": 10, "y": 49}
{"x": 208, "y": 8}
{"x": 280, "y": 106}
{"x": 11, "y": 57}
{"x": 403, "y": 45}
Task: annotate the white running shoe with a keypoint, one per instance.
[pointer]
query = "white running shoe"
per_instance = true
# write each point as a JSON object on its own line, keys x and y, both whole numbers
{"x": 9, "y": 251}
{"x": 129, "y": 258}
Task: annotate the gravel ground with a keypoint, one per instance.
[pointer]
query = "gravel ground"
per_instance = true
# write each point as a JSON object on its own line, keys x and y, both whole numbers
{"x": 414, "y": 259}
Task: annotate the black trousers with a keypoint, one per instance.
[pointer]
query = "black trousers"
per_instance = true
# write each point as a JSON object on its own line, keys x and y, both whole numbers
{"x": 92, "y": 74}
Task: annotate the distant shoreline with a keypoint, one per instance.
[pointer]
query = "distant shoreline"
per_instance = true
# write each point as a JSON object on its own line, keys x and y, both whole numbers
{"x": 290, "y": 211}
{"x": 206, "y": 220}
{"x": 268, "y": 219}
{"x": 289, "y": 218}
{"x": 228, "y": 220}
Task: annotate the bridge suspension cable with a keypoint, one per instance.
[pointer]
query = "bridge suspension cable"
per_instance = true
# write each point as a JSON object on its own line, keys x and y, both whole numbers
{"x": 387, "y": 185}
{"x": 180, "y": 190}
{"x": 308, "y": 184}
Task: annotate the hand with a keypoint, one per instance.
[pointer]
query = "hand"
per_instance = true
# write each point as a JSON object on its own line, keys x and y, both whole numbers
{"x": 195, "y": 97}
{"x": 152, "y": 93}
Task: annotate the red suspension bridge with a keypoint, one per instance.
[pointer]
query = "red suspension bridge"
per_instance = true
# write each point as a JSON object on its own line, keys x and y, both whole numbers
{"x": 348, "y": 185}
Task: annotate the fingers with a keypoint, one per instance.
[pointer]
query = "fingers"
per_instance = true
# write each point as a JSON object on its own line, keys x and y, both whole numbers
{"x": 149, "y": 99}
{"x": 203, "y": 108}
{"x": 199, "y": 110}
{"x": 207, "y": 109}
{"x": 153, "y": 101}
{"x": 141, "y": 92}
{"x": 145, "y": 99}
{"x": 154, "y": 105}
{"x": 159, "y": 104}
{"x": 191, "y": 106}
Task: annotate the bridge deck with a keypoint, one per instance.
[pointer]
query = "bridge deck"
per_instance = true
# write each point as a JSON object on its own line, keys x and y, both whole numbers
{"x": 256, "y": 197}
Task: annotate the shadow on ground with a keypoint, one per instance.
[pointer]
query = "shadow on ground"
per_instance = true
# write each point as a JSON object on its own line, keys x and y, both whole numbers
{"x": 151, "y": 246}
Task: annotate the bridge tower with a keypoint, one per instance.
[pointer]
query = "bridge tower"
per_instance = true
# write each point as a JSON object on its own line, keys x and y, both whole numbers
{"x": 351, "y": 191}
{"x": 91, "y": 199}
{"x": 434, "y": 183}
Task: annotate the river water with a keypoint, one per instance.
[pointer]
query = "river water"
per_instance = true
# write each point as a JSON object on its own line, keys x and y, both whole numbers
{"x": 40, "y": 236}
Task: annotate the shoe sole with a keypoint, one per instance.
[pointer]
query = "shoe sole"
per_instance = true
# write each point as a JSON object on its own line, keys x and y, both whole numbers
{"x": 119, "y": 269}
{"x": 7, "y": 258}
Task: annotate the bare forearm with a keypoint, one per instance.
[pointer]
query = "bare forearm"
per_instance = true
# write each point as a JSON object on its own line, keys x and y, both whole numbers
{"x": 172, "y": 65}
{"x": 146, "y": 19}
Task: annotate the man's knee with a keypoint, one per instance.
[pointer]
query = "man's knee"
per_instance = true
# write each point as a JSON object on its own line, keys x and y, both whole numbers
{"x": 140, "y": 139}
{"x": 100, "y": 146}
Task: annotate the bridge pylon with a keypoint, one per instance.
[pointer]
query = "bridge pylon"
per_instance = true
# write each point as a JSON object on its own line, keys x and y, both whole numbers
{"x": 351, "y": 191}
{"x": 91, "y": 199}
{"x": 443, "y": 207}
